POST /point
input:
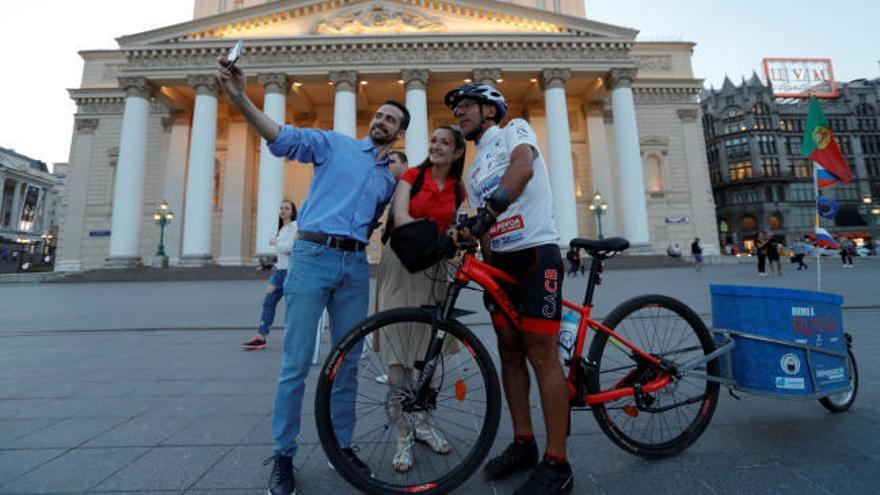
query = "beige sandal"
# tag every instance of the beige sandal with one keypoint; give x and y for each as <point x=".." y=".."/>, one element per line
<point x="403" y="458"/>
<point x="426" y="434"/>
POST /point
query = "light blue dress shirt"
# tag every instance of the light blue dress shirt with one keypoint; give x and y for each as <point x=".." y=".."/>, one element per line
<point x="350" y="188"/>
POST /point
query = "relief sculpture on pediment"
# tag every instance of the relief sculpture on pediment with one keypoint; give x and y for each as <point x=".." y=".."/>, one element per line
<point x="378" y="19"/>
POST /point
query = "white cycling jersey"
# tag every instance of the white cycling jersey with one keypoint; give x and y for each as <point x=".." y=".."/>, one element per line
<point x="529" y="221"/>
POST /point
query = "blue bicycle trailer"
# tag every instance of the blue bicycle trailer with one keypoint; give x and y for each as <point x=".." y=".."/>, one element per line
<point x="784" y="343"/>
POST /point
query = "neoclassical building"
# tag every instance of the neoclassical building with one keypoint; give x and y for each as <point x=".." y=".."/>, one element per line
<point x="612" y="115"/>
<point x="28" y="203"/>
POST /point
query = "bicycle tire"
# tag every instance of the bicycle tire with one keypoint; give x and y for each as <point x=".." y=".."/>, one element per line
<point x="700" y="342"/>
<point x="839" y="403"/>
<point x="483" y="436"/>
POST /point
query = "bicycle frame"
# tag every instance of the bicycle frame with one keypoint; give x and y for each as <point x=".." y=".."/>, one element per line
<point x="473" y="270"/>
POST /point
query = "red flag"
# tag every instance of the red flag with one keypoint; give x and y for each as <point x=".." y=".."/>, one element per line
<point x="820" y="146"/>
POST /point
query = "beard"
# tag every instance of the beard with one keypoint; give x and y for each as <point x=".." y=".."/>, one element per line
<point x="381" y="139"/>
<point x="474" y="134"/>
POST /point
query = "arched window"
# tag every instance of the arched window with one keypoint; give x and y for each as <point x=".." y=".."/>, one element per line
<point x="775" y="221"/>
<point x="748" y="223"/>
<point x="768" y="194"/>
<point x="653" y="174"/>
<point x="780" y="193"/>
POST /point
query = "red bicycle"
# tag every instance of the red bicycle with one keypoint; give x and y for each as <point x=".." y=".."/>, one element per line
<point x="647" y="377"/>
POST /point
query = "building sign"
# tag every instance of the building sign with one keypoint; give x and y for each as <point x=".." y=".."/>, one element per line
<point x="29" y="208"/>
<point x="801" y="77"/>
<point x="677" y="220"/>
<point x="99" y="233"/>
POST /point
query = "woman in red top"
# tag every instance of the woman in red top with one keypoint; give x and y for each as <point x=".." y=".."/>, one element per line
<point x="403" y="344"/>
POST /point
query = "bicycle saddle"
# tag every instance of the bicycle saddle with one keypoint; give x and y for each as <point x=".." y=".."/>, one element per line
<point x="604" y="246"/>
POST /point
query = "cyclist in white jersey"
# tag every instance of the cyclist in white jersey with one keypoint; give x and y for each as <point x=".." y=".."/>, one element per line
<point x="508" y="184"/>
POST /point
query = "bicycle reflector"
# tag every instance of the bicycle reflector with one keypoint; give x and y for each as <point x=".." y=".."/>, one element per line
<point x="460" y="390"/>
<point x="630" y="410"/>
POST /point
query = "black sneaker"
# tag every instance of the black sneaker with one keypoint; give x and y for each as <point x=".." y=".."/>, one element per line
<point x="255" y="344"/>
<point x="549" y="478"/>
<point x="357" y="463"/>
<point x="517" y="456"/>
<point x="282" y="481"/>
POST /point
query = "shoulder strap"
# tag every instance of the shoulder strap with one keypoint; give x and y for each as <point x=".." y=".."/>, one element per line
<point x="420" y="179"/>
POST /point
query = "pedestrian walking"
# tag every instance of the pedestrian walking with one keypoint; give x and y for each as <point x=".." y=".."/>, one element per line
<point x="283" y="243"/>
<point x="773" y="251"/>
<point x="574" y="261"/>
<point x="847" y="251"/>
<point x="697" y="253"/>
<point x="351" y="186"/>
<point x="801" y="249"/>
<point x="761" y="248"/>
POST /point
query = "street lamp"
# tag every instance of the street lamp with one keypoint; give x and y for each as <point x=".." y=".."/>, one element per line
<point x="47" y="239"/>
<point x="163" y="216"/>
<point x="599" y="208"/>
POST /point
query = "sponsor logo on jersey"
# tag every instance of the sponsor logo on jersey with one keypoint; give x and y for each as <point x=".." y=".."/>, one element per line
<point x="507" y="226"/>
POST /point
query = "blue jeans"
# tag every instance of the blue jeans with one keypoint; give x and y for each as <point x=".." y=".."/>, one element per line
<point x="319" y="277"/>
<point x="270" y="301"/>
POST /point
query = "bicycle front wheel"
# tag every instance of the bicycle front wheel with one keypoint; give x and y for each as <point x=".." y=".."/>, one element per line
<point x="366" y="398"/>
<point x="672" y="418"/>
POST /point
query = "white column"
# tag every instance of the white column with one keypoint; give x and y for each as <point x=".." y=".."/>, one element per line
<point x="17" y="205"/>
<point x="239" y="149"/>
<point x="634" y="208"/>
<point x="200" y="175"/>
<point x="178" y="124"/>
<point x="345" y="105"/>
<point x="2" y="193"/>
<point x="271" y="180"/>
<point x="128" y="193"/>
<point x="416" y="84"/>
<point x="559" y="162"/>
<point x="600" y="165"/>
<point x="702" y="202"/>
<point x="70" y="237"/>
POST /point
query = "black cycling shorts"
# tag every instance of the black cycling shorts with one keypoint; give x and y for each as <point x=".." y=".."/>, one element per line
<point x="538" y="295"/>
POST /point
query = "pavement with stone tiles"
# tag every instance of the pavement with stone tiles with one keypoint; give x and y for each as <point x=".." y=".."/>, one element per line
<point x="141" y="387"/>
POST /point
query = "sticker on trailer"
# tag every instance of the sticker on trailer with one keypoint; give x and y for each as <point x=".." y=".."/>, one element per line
<point x="831" y="375"/>
<point x="790" y="364"/>
<point x="788" y="383"/>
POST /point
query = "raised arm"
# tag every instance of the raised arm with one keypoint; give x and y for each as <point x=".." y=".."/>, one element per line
<point x="232" y="81"/>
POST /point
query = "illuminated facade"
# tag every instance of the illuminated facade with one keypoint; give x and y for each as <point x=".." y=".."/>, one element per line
<point x="28" y="194"/>
<point x="611" y="114"/>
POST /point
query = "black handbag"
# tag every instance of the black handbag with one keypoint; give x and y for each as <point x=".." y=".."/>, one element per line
<point x="418" y="245"/>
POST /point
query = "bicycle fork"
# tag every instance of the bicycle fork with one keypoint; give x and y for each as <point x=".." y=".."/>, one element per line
<point x="425" y="396"/>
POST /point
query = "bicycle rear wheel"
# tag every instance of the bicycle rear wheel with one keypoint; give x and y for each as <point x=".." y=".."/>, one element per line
<point x="668" y="329"/>
<point x="464" y="409"/>
<point x="843" y="401"/>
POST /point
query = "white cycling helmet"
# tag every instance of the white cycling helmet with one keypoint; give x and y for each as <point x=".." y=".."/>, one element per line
<point x="483" y="93"/>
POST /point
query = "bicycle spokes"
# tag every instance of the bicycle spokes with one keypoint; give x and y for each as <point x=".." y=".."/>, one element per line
<point x="666" y="409"/>
<point x="419" y="418"/>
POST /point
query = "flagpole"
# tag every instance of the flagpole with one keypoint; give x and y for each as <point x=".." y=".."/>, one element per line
<point x="816" y="228"/>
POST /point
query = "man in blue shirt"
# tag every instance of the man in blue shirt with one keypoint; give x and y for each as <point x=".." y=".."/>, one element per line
<point x="351" y="186"/>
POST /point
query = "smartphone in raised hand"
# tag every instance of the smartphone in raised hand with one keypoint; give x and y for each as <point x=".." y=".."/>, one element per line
<point x="233" y="55"/>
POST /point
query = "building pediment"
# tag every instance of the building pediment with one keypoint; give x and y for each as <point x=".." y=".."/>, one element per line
<point x="346" y="18"/>
<point x="378" y="18"/>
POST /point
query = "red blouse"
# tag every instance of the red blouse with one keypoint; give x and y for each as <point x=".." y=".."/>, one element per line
<point x="429" y="202"/>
